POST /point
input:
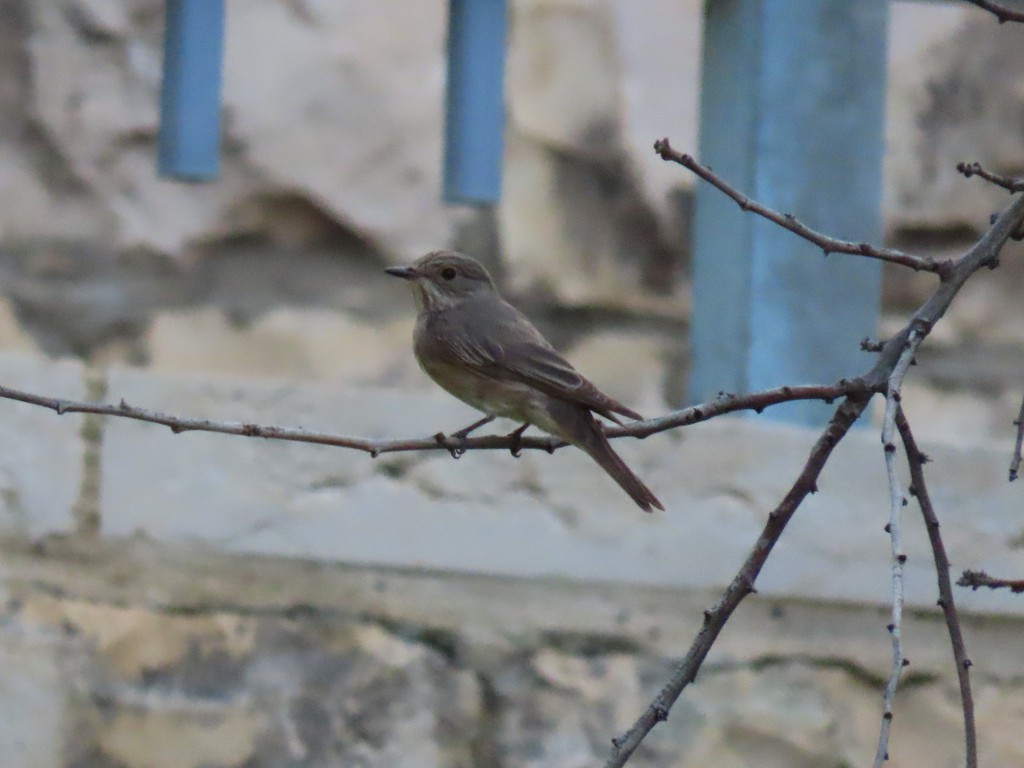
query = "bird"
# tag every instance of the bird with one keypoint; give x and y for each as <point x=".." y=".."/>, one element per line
<point x="488" y="354"/>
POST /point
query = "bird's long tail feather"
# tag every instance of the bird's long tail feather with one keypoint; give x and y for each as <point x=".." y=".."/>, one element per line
<point x="600" y="450"/>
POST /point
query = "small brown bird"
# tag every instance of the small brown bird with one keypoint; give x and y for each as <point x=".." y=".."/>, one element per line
<point x="488" y="354"/>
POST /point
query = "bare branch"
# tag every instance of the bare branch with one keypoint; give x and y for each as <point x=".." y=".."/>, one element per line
<point x="1001" y="12"/>
<point x="741" y="585"/>
<point x="895" y="529"/>
<point x="977" y="579"/>
<point x="790" y="222"/>
<point x="1009" y="183"/>
<point x="985" y="252"/>
<point x="918" y="489"/>
<point x="894" y="357"/>
<point x="1016" y="459"/>
<point x="725" y="403"/>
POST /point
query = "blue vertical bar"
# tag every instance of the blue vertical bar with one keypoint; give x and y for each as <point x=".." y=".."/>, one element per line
<point x="808" y="139"/>
<point x="720" y="331"/>
<point x="475" y="109"/>
<point x="189" y="141"/>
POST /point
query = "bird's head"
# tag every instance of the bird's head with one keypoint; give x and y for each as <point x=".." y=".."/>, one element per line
<point x="442" y="279"/>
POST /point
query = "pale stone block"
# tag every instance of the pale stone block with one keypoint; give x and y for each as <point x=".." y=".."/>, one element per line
<point x="223" y="489"/>
<point x="286" y="342"/>
<point x="344" y="75"/>
<point x="33" y="697"/>
<point x="541" y="516"/>
<point x="42" y="461"/>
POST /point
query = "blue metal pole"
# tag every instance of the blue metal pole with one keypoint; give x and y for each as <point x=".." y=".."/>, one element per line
<point x="475" y="109"/>
<point x="189" y="140"/>
<point x="793" y="112"/>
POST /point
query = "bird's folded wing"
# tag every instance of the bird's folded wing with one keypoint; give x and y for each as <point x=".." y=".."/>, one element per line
<point x="532" y="362"/>
<point x="542" y="367"/>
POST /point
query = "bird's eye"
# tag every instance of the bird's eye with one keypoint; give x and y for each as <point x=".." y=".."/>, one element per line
<point x="448" y="273"/>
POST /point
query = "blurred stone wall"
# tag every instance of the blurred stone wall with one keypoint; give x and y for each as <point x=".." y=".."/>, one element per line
<point x="331" y="168"/>
<point x="194" y="601"/>
<point x="199" y="600"/>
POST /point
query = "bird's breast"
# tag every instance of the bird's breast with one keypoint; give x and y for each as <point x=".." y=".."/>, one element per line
<point x="486" y="388"/>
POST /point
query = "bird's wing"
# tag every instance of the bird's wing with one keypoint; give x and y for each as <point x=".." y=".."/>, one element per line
<point x="506" y="344"/>
<point x="542" y="367"/>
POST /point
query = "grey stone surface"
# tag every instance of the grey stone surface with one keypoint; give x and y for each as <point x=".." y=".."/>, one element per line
<point x="573" y="219"/>
<point x="589" y="215"/>
<point x="952" y="99"/>
<point x="253" y="485"/>
<point x="116" y="686"/>
<point x="345" y="83"/>
<point x="185" y="657"/>
<point x="347" y="114"/>
<point x="34" y="692"/>
<point x="541" y="516"/>
<point x="95" y="684"/>
<point x="315" y="344"/>
<point x="351" y="85"/>
<point x="42" y="461"/>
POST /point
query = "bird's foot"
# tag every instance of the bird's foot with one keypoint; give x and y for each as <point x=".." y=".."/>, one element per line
<point x="516" y="449"/>
<point x="455" y="450"/>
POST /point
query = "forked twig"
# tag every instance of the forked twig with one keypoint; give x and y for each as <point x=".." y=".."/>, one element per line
<point x="894" y="356"/>
<point x="790" y="222"/>
<point x="1009" y="183"/>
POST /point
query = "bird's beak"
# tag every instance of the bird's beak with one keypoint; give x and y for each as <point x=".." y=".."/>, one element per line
<point x="406" y="273"/>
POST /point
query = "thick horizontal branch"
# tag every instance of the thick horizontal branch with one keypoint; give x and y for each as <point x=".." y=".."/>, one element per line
<point x="724" y="404"/>
<point x="790" y="222"/>
<point x="1000" y="11"/>
<point x="977" y="579"/>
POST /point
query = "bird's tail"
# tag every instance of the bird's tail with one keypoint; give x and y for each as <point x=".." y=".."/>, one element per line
<point x="600" y="450"/>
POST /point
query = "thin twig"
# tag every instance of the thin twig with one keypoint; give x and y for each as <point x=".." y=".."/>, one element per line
<point x="741" y="585"/>
<point x="1015" y="459"/>
<point x="977" y="579"/>
<point x="725" y="403"/>
<point x="1009" y="183"/>
<point x="790" y="222"/>
<point x="895" y="529"/>
<point x="919" y="489"/>
<point x="1001" y="12"/>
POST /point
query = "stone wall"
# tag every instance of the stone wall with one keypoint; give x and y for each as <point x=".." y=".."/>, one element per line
<point x="189" y="601"/>
<point x="203" y="600"/>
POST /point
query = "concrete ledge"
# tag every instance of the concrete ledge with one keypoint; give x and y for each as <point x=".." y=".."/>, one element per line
<point x="539" y="517"/>
<point x="186" y="580"/>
